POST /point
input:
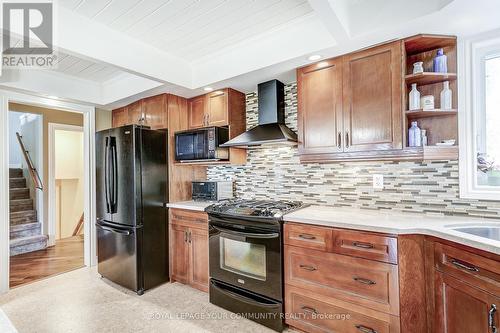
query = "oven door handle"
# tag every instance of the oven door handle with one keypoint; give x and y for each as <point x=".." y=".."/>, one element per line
<point x="242" y="298"/>
<point x="244" y="235"/>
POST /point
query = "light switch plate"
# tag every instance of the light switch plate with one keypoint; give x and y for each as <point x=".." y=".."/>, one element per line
<point x="378" y="182"/>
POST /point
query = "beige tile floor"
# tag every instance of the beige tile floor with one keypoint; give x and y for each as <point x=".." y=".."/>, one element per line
<point x="80" y="301"/>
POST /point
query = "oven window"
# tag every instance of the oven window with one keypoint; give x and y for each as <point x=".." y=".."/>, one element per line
<point x="243" y="258"/>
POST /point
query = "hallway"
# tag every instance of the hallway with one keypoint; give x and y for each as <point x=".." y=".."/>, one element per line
<point x="65" y="256"/>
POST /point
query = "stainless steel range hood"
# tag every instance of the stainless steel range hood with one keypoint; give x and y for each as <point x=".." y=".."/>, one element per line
<point x="271" y="128"/>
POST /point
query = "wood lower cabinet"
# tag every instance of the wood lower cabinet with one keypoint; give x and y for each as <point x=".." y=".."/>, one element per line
<point x="189" y="248"/>
<point x="320" y="105"/>
<point x="463" y="308"/>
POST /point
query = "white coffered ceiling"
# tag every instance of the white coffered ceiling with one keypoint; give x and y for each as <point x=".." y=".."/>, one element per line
<point x="190" y="28"/>
<point x="117" y="51"/>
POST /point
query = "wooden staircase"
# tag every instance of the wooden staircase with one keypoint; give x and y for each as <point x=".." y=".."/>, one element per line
<point x="25" y="230"/>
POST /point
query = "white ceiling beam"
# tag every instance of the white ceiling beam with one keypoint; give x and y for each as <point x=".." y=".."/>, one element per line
<point x="124" y="86"/>
<point x="330" y="19"/>
<point x="82" y="37"/>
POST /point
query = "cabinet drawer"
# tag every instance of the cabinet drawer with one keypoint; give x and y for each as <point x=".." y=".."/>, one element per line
<point x="311" y="237"/>
<point x="368" y="283"/>
<point x="316" y="313"/>
<point x="366" y="245"/>
<point x="189" y="218"/>
<point x="481" y="272"/>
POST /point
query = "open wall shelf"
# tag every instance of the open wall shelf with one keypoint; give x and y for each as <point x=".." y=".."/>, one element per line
<point x="439" y="124"/>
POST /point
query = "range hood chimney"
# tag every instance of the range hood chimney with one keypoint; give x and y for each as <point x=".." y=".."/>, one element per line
<point x="271" y="128"/>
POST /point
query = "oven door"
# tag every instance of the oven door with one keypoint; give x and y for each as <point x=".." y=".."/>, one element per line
<point x="246" y="257"/>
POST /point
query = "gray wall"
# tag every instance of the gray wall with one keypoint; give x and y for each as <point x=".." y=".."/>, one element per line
<point x="415" y="187"/>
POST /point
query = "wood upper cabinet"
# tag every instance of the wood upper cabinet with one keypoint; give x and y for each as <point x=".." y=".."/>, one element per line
<point x="136" y="113"/>
<point x="372" y="91"/>
<point x="211" y="109"/>
<point x="155" y="111"/>
<point x="463" y="308"/>
<point x="320" y="105"/>
<point x="217" y="108"/>
<point x="119" y="117"/>
<point x="197" y="112"/>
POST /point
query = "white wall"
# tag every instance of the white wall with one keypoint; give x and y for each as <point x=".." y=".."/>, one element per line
<point x="15" y="154"/>
<point x="69" y="177"/>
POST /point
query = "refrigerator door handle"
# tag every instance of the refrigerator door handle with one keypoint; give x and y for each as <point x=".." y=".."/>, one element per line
<point x="114" y="176"/>
<point x="116" y="231"/>
<point x="106" y="175"/>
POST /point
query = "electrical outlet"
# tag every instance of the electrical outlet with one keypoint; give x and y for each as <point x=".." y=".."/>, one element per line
<point x="378" y="182"/>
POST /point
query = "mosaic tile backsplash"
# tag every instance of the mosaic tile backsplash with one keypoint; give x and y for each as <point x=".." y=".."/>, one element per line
<point x="413" y="187"/>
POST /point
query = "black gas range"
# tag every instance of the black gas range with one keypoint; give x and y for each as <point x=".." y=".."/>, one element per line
<point x="246" y="257"/>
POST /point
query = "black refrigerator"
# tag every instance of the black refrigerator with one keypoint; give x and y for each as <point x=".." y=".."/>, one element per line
<point x="131" y="185"/>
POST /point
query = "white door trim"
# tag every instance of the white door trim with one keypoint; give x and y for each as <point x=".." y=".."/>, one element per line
<point x="51" y="182"/>
<point x="88" y="112"/>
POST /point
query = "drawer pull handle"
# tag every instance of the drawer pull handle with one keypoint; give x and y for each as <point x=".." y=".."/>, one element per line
<point x="309" y="310"/>
<point x="308" y="268"/>
<point x="363" y="245"/>
<point x="365" y="329"/>
<point x="491" y="318"/>
<point x="464" y="266"/>
<point x="363" y="280"/>
<point x="307" y="236"/>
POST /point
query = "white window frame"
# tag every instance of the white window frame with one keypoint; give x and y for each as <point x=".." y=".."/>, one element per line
<point x="473" y="52"/>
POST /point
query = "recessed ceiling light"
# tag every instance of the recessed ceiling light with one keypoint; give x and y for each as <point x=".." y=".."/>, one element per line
<point x="314" y="57"/>
<point x="208" y="88"/>
<point x="322" y="64"/>
<point x="52" y="97"/>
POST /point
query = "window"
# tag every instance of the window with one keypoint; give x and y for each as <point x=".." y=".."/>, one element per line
<point x="480" y="121"/>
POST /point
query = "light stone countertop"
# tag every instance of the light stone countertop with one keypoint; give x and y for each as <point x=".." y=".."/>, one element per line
<point x="191" y="205"/>
<point x="397" y="223"/>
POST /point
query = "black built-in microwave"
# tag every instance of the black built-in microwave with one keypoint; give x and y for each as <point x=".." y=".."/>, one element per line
<point x="201" y="144"/>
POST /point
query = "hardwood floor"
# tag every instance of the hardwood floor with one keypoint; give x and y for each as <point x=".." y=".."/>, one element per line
<point x="65" y="256"/>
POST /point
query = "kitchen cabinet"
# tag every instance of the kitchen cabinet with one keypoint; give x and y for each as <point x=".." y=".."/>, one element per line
<point x="217" y="108"/>
<point x="189" y="248"/>
<point x="372" y="99"/>
<point x="463" y="308"/>
<point x="119" y="117"/>
<point x="136" y="113"/>
<point x="320" y="105"/>
<point x="350" y="107"/>
<point x="155" y="113"/>
<point x="197" y="113"/>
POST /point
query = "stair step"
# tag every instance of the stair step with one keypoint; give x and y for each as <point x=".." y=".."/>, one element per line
<point x="20" y="205"/>
<point x="28" y="244"/>
<point x="17" y="182"/>
<point x="19" y="193"/>
<point x="27" y="216"/>
<point x="25" y="230"/>
<point x="15" y="173"/>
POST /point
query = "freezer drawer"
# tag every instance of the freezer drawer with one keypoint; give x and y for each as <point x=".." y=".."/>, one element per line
<point x="117" y="253"/>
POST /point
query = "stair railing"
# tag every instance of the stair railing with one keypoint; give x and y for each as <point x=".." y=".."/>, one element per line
<point x="31" y="167"/>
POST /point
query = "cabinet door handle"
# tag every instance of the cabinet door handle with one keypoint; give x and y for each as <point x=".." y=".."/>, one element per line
<point x="491" y="318"/>
<point x="189" y="237"/>
<point x="363" y="280"/>
<point x="464" y="266"/>
<point x="185" y="236"/>
<point x="347" y="139"/>
<point x="309" y="310"/>
<point x="307" y="236"/>
<point x="308" y="268"/>
<point x="365" y="329"/>
<point x="340" y="141"/>
<point x="363" y="245"/>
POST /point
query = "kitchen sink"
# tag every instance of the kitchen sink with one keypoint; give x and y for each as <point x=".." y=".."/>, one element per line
<point x="490" y="232"/>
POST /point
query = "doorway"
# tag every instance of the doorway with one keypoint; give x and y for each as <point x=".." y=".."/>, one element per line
<point x="88" y="114"/>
